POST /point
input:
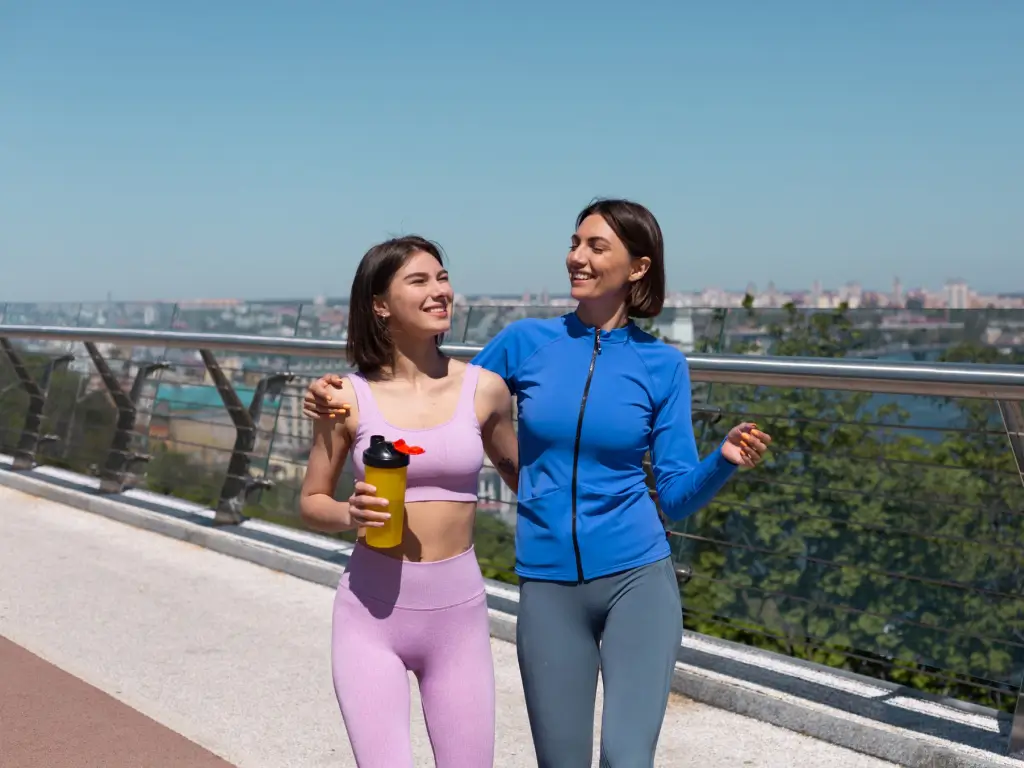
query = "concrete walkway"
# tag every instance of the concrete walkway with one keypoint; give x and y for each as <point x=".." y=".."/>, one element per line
<point x="235" y="657"/>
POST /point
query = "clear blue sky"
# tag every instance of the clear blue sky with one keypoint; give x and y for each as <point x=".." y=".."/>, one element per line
<point x="211" y="148"/>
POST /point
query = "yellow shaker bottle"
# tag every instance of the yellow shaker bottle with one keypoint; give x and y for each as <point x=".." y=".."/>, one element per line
<point x="386" y="469"/>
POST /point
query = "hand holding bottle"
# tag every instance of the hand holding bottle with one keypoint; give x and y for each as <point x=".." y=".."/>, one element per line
<point x="386" y="466"/>
<point x="366" y="509"/>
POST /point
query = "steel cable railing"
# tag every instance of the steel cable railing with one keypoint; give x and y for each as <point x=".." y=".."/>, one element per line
<point x="872" y="540"/>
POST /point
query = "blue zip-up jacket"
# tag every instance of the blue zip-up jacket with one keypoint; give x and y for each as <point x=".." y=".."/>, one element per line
<point x="590" y="405"/>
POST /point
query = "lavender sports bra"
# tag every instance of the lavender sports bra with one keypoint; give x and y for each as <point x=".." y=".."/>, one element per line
<point x="449" y="468"/>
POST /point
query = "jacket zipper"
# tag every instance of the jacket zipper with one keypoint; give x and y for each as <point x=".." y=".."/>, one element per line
<point x="576" y="452"/>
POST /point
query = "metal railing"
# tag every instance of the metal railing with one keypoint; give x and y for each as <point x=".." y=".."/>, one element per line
<point x="869" y="541"/>
<point x="990" y="382"/>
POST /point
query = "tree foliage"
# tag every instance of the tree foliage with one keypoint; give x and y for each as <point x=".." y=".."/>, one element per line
<point x="80" y="419"/>
<point x="871" y="540"/>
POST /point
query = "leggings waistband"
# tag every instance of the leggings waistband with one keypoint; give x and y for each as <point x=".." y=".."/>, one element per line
<point x="415" y="586"/>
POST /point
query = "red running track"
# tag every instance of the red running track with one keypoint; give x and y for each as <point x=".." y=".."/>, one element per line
<point x="51" y="719"/>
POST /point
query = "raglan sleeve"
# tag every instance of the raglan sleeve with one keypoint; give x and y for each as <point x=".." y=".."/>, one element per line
<point x="502" y="355"/>
<point x="683" y="481"/>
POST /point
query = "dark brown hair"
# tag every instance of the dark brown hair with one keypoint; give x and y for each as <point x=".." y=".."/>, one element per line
<point x="639" y="231"/>
<point x="369" y="346"/>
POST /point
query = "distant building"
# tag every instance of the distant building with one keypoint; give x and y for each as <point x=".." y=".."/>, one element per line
<point x="192" y="419"/>
<point x="958" y="295"/>
<point x="675" y="325"/>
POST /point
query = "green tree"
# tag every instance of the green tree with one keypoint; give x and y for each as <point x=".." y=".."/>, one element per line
<point x="843" y="548"/>
<point x="81" y="419"/>
<point x="177" y="474"/>
<point x="494" y="543"/>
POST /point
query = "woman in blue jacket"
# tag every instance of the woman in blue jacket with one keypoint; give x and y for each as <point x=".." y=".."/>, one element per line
<point x="597" y="586"/>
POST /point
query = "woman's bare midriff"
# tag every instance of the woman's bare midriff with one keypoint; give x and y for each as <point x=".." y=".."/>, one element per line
<point x="434" y="530"/>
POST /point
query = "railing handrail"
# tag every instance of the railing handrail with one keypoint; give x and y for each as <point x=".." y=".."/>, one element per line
<point x="995" y="382"/>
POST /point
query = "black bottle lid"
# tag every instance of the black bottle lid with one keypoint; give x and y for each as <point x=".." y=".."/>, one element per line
<point x="383" y="455"/>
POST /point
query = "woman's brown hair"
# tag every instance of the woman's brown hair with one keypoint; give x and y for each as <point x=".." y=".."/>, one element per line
<point x="640" y="232"/>
<point x="369" y="347"/>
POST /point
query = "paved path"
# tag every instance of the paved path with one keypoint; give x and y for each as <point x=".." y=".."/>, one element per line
<point x="235" y="658"/>
<point x="53" y="719"/>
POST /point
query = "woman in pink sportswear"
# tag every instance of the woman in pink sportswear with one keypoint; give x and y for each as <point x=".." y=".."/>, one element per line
<point x="420" y="607"/>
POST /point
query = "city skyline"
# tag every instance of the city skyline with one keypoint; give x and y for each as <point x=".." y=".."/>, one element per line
<point x="954" y="293"/>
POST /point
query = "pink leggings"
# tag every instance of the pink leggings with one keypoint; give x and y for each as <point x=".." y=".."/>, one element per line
<point x="392" y="617"/>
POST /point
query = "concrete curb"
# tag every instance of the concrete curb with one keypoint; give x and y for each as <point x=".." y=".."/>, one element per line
<point x="782" y="705"/>
<point x="844" y="729"/>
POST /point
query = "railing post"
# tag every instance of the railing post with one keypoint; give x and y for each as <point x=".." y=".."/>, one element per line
<point x="30" y="440"/>
<point x="1013" y="423"/>
<point x="119" y="465"/>
<point x="238" y="484"/>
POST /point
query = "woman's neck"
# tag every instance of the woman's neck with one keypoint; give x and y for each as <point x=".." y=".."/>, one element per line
<point x="417" y="359"/>
<point x="606" y="315"/>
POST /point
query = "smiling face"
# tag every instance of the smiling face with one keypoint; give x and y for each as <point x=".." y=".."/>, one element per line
<point x="600" y="266"/>
<point x="418" y="300"/>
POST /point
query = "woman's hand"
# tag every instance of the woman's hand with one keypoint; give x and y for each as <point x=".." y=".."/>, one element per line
<point x="323" y="401"/>
<point x="746" y="445"/>
<point x="360" y="507"/>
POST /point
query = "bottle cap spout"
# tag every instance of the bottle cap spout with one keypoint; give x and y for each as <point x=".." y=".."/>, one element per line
<point x="384" y="455"/>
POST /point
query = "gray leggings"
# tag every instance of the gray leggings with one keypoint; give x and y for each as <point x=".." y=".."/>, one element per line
<point x="629" y="625"/>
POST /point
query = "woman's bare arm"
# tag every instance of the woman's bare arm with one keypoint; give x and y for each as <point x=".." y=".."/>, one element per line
<point x="319" y="510"/>
<point x="498" y="429"/>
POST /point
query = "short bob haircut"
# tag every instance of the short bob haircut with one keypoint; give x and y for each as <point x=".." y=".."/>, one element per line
<point x="639" y="231"/>
<point x="369" y="346"/>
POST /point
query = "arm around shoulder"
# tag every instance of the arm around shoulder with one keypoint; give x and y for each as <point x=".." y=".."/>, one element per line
<point x="497" y="429"/>
<point x="317" y="506"/>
